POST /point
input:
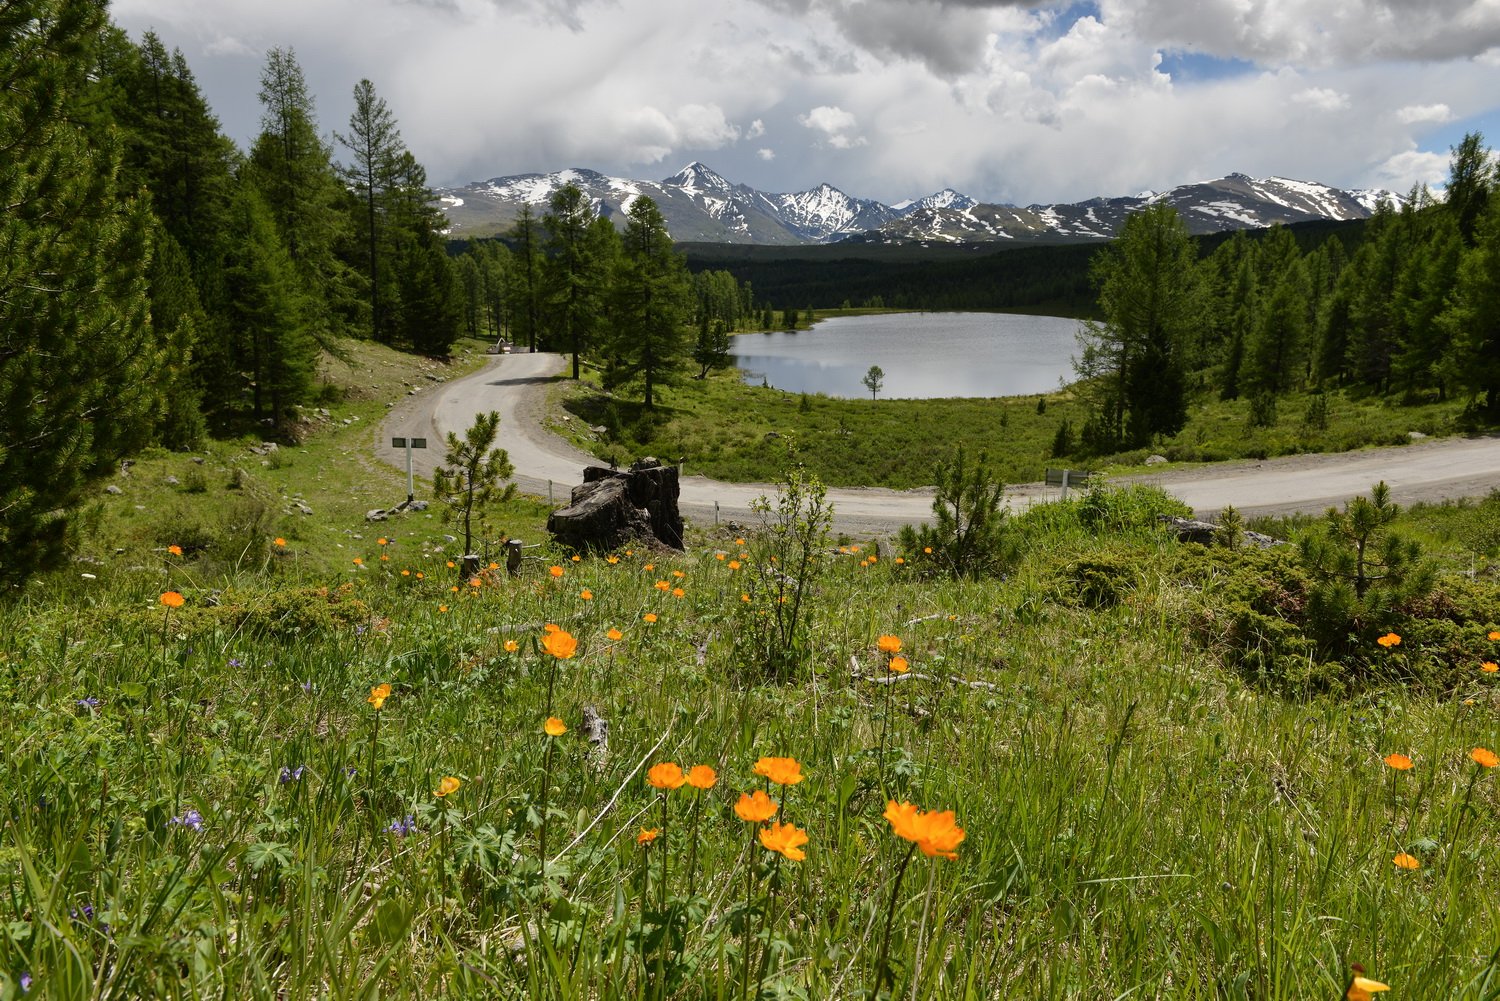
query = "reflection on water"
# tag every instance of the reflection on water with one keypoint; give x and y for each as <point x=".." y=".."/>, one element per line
<point x="923" y="355"/>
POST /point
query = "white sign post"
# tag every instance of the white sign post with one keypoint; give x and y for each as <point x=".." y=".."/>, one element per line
<point x="409" y="444"/>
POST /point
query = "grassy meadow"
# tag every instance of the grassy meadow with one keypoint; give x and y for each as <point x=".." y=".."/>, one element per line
<point x="305" y="759"/>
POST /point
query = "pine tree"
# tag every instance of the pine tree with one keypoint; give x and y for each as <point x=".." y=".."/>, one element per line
<point x="78" y="354"/>
<point x="1472" y="319"/>
<point x="375" y="146"/>
<point x="524" y="290"/>
<point x="572" y="275"/>
<point x="1471" y="177"/>
<point x="650" y="296"/>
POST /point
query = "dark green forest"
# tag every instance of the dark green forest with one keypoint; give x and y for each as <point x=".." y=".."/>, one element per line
<point x="162" y="284"/>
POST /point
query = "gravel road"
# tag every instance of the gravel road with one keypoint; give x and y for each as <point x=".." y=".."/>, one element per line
<point x="516" y="384"/>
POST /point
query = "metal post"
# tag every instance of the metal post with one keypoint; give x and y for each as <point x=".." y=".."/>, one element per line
<point x="1065" y="483"/>
<point x="411" y="494"/>
<point x="549" y="492"/>
<point x="716" y="514"/>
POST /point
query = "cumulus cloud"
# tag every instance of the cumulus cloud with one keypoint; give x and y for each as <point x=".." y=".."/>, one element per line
<point x="837" y="126"/>
<point x="1322" y="99"/>
<point x="1414" y="113"/>
<point x="766" y="154"/>
<point x="1412" y="166"/>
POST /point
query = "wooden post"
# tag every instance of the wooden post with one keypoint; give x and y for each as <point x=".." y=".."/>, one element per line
<point x="513" y="556"/>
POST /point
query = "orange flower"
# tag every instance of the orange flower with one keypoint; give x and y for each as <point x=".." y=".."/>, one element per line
<point x="935" y="833"/>
<point x="734" y="564"/>
<point x="649" y="616"/>
<point x="900" y="561"/>
<point x="1489" y="667"/>
<point x="554" y="727"/>
<point x="1494" y="635"/>
<point x="511" y="646"/>
<point x="719" y="557"/>
<point x="475" y="582"/>
<point x="379" y="694"/>
<point x="1484" y="757"/>
<point x="755" y="807"/>
<point x="1389" y="640"/>
<point x="649" y="566"/>
<point x="889" y="644"/>
<point x="586" y="594"/>
<point x="451" y="564"/>
<point x="782" y="771"/>
<point x="577" y="558"/>
<point x="406" y="573"/>
<point x="172" y="599"/>
<point x="1361" y="987"/>
<point x="448" y="785"/>
<point x="175" y="550"/>
<point x="279" y="542"/>
<point x="702" y="777"/>
<point x="1400" y="762"/>
<point x="647" y="835"/>
<point x="560" y="644"/>
<point x="898" y="665"/>
<point x="739" y="542"/>
<point x="662" y="585"/>
<point x="678" y="592"/>
<point x="787" y="839"/>
<point x="1405" y="861"/>
<point x="556" y="571"/>
<point x="745" y="598"/>
<point x="667" y="775"/>
<point x="614" y="635"/>
<point x="358" y="561"/>
<point x="678" y="574"/>
<point x="927" y="550"/>
<point x="382" y="542"/>
<point x="611" y="559"/>
<point x="550" y="627"/>
<point x="442" y="608"/>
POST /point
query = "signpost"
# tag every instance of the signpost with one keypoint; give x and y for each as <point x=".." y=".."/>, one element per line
<point x="409" y="444"/>
<point x="1066" y="478"/>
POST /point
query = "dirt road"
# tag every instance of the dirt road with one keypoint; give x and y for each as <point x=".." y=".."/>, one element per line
<point x="515" y="386"/>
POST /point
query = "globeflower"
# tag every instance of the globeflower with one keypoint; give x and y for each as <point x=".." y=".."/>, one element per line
<point x="172" y="599"/>
<point x="786" y="839"/>
<point x="1389" y="640"/>
<point x="647" y="835"/>
<point x="1484" y="757"/>
<point x="379" y="694"/>
<point x="889" y="644"/>
<point x="1405" y="861"/>
<point x="782" y="771"/>
<point x="560" y="644"/>
<point x="447" y="786"/>
<point x="1400" y="762"/>
<point x="755" y="807"/>
<point x="554" y="727"/>
<point x="667" y="775"/>
<point x="935" y="833"/>
<point x="702" y="777"/>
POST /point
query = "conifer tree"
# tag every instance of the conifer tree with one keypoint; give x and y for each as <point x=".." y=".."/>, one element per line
<point x="572" y="273"/>
<point x="524" y="286"/>
<point x="1472" y="318"/>
<point x="374" y="144"/>
<point x="650" y="303"/>
<point x="78" y="354"/>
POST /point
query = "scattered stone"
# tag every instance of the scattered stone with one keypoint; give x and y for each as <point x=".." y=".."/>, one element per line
<point x="271" y="448"/>
<point x="198" y="460"/>
<point x="1415" y="435"/>
<point x="172" y="481"/>
<point x="302" y="507"/>
<point x="612" y="507"/>
<point x="1207" y="534"/>
<point x="1155" y="460"/>
<point x="112" y="489"/>
<point x="599" y="429"/>
<point x="323" y="412"/>
<point x="417" y="505"/>
<point x="378" y="514"/>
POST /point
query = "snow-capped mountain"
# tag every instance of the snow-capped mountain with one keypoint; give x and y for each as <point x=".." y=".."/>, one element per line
<point x="702" y="206"/>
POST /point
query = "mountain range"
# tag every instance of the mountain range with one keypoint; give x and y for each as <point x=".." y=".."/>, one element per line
<point x="701" y="206"/>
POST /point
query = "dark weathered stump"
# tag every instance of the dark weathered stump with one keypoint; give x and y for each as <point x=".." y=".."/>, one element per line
<point x="613" y="507"/>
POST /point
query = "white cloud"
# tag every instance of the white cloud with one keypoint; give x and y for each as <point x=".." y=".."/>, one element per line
<point x="756" y="130"/>
<point x="1414" y="113"/>
<point x="837" y="125"/>
<point x="1322" y="99"/>
<point x="766" y="154"/>
<point x="1399" y="172"/>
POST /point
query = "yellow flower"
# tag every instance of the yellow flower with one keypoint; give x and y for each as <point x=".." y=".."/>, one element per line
<point x="615" y="635"/>
<point x="935" y="833"/>
<point x="647" y="835"/>
<point x="442" y="608"/>
<point x="511" y="646"/>
<point x="702" y="777"/>
<point x="1400" y="762"/>
<point x="577" y="558"/>
<point x="667" y="775"/>
<point x="662" y="585"/>
<point x="1489" y="667"/>
<point x="1361" y="987"/>
<point x="448" y="785"/>
<point x="279" y="542"/>
<point x="1389" y="640"/>
<point x="889" y="644"/>
<point x="172" y="599"/>
<point x="782" y="771"/>
<point x="755" y="807"/>
<point x="734" y="564"/>
<point x="382" y="542"/>
<point x="560" y="644"/>
<point x="556" y="571"/>
<point x="898" y="665"/>
<point x="586" y="594"/>
<point x="1405" y="861"/>
<point x="175" y="550"/>
<point x="1484" y="757"/>
<point x="787" y="839"/>
<point x="719" y="557"/>
<point x="611" y="559"/>
<point x="678" y="592"/>
<point x="1494" y="635"/>
<point x="379" y="694"/>
<point x="554" y="727"/>
<point x="649" y="616"/>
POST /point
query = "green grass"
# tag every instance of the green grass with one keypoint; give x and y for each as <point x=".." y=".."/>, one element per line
<point x="1140" y="820"/>
<point x="732" y="431"/>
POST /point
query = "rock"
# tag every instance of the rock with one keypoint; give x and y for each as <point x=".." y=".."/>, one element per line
<point x="417" y="505"/>
<point x="1415" y="435"/>
<point x="302" y="507"/>
<point x="378" y="514"/>
<point x="112" y="489"/>
<point x="613" y="507"/>
<point x="1207" y="534"/>
<point x="198" y="460"/>
<point x="271" y="448"/>
<point x="172" y="481"/>
<point x="1155" y="460"/>
<point x="599" y="429"/>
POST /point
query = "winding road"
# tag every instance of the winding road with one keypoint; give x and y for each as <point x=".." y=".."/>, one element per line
<point x="516" y="386"/>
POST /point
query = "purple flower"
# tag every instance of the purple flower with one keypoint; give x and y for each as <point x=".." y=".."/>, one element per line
<point x="26" y="981"/>
<point x="234" y="662"/>
<point x="291" y="774"/>
<point x="307" y="686"/>
<point x="402" y="828"/>
<point x="191" y="819"/>
<point x="350" y="772"/>
<point x="91" y="702"/>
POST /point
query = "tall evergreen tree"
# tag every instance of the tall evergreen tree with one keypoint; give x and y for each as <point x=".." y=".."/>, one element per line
<point x="1471" y="177"/>
<point x="1472" y="319"/>
<point x="651" y="295"/>
<point x="374" y="144"/>
<point x="77" y="349"/>
<point x="1150" y="293"/>
<point x="573" y="280"/>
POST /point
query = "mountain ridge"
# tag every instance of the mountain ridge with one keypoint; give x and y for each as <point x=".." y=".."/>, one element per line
<point x="702" y="206"/>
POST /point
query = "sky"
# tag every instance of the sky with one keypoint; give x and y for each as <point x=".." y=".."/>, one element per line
<point x="1018" y="102"/>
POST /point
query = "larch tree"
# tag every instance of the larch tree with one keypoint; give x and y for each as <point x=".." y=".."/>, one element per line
<point x="374" y="145"/>
<point x="650" y="303"/>
<point x="572" y="274"/>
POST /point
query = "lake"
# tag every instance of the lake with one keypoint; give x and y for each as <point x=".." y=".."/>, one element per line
<point x="924" y="355"/>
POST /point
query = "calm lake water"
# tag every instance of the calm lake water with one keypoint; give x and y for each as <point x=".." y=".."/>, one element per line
<point x="924" y="355"/>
